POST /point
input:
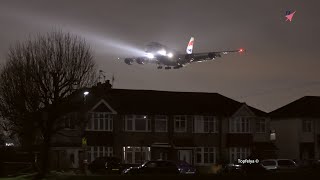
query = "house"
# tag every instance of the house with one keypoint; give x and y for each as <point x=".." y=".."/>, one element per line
<point x="297" y="128"/>
<point x="138" y="125"/>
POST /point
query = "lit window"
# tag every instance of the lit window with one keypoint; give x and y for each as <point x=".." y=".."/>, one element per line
<point x="273" y="135"/>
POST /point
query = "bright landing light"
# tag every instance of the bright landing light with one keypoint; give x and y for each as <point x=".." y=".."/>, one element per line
<point x="162" y="52"/>
<point x="170" y="55"/>
<point x="150" y="55"/>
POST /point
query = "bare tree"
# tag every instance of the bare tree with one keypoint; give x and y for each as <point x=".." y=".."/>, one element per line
<point x="36" y="80"/>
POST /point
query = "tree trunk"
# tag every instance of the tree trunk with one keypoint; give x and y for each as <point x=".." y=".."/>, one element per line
<point x="45" y="159"/>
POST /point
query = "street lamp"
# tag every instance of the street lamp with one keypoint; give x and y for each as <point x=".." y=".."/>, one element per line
<point x="85" y="95"/>
<point x="84" y="139"/>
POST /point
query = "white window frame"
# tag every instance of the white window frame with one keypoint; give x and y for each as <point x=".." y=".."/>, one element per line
<point x="178" y="118"/>
<point x="240" y="124"/>
<point x="307" y="125"/>
<point x="260" y="123"/>
<point x="205" y="150"/>
<point x="96" y="151"/>
<point x="238" y="153"/>
<point x="133" y="149"/>
<point x="200" y="124"/>
<point x="106" y="119"/>
<point x="133" y="118"/>
<point x="158" y="119"/>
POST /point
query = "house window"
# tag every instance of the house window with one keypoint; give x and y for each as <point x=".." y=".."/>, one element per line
<point x="239" y="125"/>
<point x="180" y="123"/>
<point x="238" y="153"/>
<point x="70" y="120"/>
<point x="98" y="151"/>
<point x="306" y="125"/>
<point x="161" y="123"/>
<point x="261" y="125"/>
<point x="136" y="155"/>
<point x="140" y="123"/>
<point x="205" y="124"/>
<point x="100" y="121"/>
<point x="205" y="155"/>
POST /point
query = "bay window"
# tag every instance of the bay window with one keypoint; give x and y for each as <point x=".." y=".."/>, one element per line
<point x="238" y="153"/>
<point x="136" y="155"/>
<point x="100" y="121"/>
<point x="239" y="125"/>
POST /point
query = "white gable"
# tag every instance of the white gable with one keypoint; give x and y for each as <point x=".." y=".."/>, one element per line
<point x="102" y="101"/>
<point x="244" y="110"/>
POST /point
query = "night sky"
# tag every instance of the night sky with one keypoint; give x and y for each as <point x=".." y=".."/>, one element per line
<point x="281" y="63"/>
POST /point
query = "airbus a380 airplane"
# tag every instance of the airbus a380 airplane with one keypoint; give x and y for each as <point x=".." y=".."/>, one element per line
<point x="159" y="54"/>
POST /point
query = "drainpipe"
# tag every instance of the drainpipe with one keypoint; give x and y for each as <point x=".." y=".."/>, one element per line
<point x="220" y="139"/>
<point x="316" y="153"/>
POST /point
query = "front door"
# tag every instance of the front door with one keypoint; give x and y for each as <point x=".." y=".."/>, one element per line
<point x="185" y="155"/>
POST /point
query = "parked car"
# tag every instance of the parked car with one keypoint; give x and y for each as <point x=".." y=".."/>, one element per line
<point x="232" y="168"/>
<point x="162" y="167"/>
<point x="309" y="163"/>
<point x="106" y="165"/>
<point x="186" y="168"/>
<point x="235" y="168"/>
<point x="279" y="165"/>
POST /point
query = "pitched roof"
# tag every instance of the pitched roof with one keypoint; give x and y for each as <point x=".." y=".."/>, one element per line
<point x="308" y="106"/>
<point x="150" y="102"/>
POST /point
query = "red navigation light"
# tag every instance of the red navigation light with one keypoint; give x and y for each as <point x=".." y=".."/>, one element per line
<point x="241" y="50"/>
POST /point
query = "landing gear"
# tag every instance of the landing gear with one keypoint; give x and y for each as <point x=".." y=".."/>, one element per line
<point x="159" y="67"/>
<point x="168" y="67"/>
<point x="177" y="67"/>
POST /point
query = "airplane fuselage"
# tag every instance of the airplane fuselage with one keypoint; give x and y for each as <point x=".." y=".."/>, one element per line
<point x="159" y="54"/>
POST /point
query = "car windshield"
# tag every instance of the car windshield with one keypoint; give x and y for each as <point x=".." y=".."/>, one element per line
<point x="151" y="164"/>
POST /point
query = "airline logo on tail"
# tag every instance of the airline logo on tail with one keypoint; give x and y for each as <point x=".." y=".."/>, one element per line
<point x="190" y="46"/>
<point x="289" y="15"/>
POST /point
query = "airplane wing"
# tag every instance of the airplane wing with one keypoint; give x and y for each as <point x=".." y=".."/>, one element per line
<point x="139" y="60"/>
<point x="206" y="56"/>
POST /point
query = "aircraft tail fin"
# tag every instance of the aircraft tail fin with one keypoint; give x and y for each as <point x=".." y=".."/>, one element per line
<point x="190" y="46"/>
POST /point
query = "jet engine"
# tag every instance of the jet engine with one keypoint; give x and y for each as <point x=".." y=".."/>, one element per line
<point x="140" y="61"/>
<point x="128" y="61"/>
<point x="212" y="55"/>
